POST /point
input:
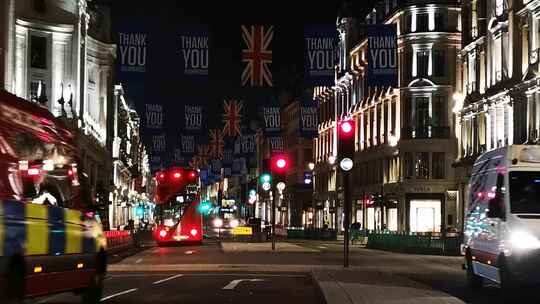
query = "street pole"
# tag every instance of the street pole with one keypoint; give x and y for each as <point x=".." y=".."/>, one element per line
<point x="346" y="220"/>
<point x="274" y="197"/>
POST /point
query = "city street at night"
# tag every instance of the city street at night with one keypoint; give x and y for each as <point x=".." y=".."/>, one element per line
<point x="269" y="152"/>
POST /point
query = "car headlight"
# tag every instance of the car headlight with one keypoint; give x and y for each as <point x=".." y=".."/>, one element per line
<point x="234" y="223"/>
<point x="524" y="240"/>
<point x="218" y="222"/>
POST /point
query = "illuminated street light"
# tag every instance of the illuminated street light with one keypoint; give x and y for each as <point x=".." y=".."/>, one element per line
<point x="346" y="164"/>
<point x="311" y="166"/>
<point x="331" y="159"/>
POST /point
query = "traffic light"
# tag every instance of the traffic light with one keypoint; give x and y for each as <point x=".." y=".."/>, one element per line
<point x="204" y="207"/>
<point x="139" y="211"/>
<point x="346" y="143"/>
<point x="265" y="178"/>
<point x="279" y="166"/>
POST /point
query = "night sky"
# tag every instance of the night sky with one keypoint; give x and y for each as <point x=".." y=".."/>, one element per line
<point x="162" y="85"/>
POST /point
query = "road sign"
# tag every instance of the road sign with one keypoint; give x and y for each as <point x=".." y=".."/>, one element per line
<point x="241" y="230"/>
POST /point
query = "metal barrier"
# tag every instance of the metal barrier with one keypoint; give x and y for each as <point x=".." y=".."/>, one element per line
<point x="117" y="239"/>
<point x="410" y="242"/>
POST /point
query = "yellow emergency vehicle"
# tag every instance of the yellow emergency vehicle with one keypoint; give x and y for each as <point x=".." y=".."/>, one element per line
<point x="50" y="239"/>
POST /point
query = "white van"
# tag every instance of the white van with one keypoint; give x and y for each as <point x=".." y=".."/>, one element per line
<point x="502" y="218"/>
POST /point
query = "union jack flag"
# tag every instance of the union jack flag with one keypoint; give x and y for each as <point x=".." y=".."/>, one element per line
<point x="216" y="143"/>
<point x="232" y="118"/>
<point x="257" y="55"/>
<point x="201" y="159"/>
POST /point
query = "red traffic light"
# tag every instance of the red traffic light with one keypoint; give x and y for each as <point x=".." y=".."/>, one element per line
<point x="280" y="163"/>
<point x="346" y="127"/>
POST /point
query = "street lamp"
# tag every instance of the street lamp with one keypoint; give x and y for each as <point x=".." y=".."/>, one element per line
<point x="331" y="159"/>
<point x="311" y="166"/>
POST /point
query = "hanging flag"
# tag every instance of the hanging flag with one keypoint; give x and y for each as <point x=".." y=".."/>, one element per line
<point x="257" y="55"/>
<point x="271" y="119"/>
<point x="308" y="119"/>
<point x="232" y="117"/>
<point x="275" y="144"/>
<point x="194" y="53"/>
<point x="187" y="145"/>
<point x="216" y="143"/>
<point x="320" y="55"/>
<point x="193" y="117"/>
<point x="131" y="52"/>
<point x="159" y="144"/>
<point x="154" y="116"/>
<point x="382" y="55"/>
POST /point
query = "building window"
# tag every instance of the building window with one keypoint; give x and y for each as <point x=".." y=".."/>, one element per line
<point x="409" y="165"/>
<point x="441" y="22"/>
<point x="439" y="63"/>
<point x="422" y="22"/>
<point x="439" y="111"/>
<point x="474" y="19"/>
<point x="38" y="52"/>
<point x="422" y="59"/>
<point x="422" y="165"/>
<point x="439" y="165"/>
<point x="421" y="117"/>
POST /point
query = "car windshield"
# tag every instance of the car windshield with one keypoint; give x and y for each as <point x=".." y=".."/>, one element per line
<point x="525" y="192"/>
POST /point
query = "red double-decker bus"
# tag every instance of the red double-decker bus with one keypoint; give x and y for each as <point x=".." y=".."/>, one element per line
<point x="177" y="199"/>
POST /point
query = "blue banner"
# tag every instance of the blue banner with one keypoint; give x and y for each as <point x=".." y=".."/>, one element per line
<point x="382" y="55"/>
<point x="271" y="120"/>
<point x="320" y="55"/>
<point x="193" y="117"/>
<point x="275" y="144"/>
<point x="309" y="119"/>
<point x="154" y="116"/>
<point x="132" y="42"/>
<point x="193" y="40"/>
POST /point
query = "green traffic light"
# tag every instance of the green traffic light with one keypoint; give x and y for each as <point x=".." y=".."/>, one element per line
<point x="205" y="206"/>
<point x="265" y="178"/>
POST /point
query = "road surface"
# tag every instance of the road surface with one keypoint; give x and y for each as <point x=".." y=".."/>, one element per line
<point x="205" y="274"/>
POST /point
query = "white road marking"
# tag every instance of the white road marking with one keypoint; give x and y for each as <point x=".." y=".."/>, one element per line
<point x="235" y="283"/>
<point x="247" y="274"/>
<point x="189" y="252"/>
<point x="322" y="247"/>
<point x="167" y="279"/>
<point x="118" y="294"/>
<point x="138" y="261"/>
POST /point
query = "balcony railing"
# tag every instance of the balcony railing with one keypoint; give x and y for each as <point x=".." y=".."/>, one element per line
<point x="425" y="132"/>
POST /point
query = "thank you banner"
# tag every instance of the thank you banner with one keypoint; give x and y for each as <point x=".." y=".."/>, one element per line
<point x="308" y="119"/>
<point x="382" y="55"/>
<point x="194" y="53"/>
<point x="320" y="55"/>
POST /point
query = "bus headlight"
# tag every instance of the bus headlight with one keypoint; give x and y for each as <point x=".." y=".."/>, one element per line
<point x="234" y="223"/>
<point x="524" y="240"/>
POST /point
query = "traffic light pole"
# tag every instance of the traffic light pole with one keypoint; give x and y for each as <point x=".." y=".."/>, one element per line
<point x="274" y="197"/>
<point x="346" y="220"/>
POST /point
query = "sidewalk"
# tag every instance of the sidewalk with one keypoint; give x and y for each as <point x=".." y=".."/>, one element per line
<point x="235" y="247"/>
<point x="367" y="287"/>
